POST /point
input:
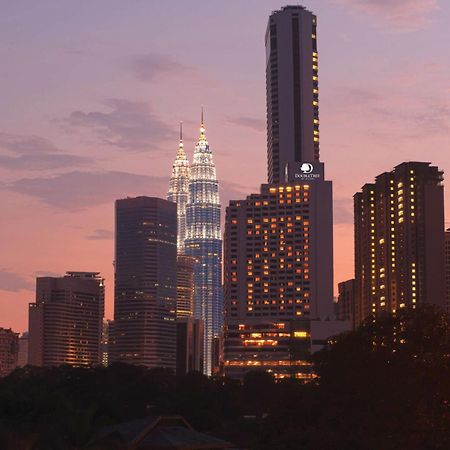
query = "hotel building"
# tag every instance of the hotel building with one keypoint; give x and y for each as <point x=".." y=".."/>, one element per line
<point x="278" y="277"/>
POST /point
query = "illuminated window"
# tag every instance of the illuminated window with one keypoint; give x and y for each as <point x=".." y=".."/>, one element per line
<point x="301" y="334"/>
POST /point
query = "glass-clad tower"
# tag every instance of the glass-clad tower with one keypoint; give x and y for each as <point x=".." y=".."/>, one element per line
<point x="179" y="191"/>
<point x="204" y="243"/>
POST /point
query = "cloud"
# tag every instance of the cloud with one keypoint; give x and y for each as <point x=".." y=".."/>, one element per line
<point x="395" y="15"/>
<point x="249" y="122"/>
<point x="79" y="190"/>
<point x="342" y="211"/>
<point x="13" y="282"/>
<point x="35" y="153"/>
<point x="153" y="66"/>
<point x="128" y="124"/>
<point x="100" y="235"/>
<point x="234" y="191"/>
<point x="46" y="273"/>
<point x="395" y="115"/>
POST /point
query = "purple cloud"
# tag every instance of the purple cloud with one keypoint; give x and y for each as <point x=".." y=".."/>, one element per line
<point x="153" y="66"/>
<point x="387" y="115"/>
<point x="342" y="210"/>
<point x="35" y="153"/>
<point x="249" y="122"/>
<point x="395" y="15"/>
<point x="46" y="273"/>
<point x="79" y="190"/>
<point x="128" y="124"/>
<point x="100" y="234"/>
<point x="13" y="282"/>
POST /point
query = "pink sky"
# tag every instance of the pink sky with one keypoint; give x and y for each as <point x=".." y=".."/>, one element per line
<point x="92" y="93"/>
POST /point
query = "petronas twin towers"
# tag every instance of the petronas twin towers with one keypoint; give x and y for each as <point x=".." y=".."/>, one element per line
<point x="179" y="191"/>
<point x="195" y="190"/>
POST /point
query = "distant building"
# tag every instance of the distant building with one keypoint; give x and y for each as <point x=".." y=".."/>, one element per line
<point x="292" y="90"/>
<point x="217" y="356"/>
<point x="105" y="345"/>
<point x="399" y="241"/>
<point x="144" y="331"/>
<point x="65" y="322"/>
<point x="185" y="286"/>
<point x="23" y="350"/>
<point x="9" y="349"/>
<point x="190" y="337"/>
<point x="447" y="269"/>
<point x="346" y="301"/>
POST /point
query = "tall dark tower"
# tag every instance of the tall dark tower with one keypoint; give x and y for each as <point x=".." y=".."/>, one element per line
<point x="144" y="330"/>
<point x="292" y="89"/>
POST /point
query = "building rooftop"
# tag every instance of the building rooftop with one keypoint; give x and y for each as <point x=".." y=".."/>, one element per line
<point x="157" y="432"/>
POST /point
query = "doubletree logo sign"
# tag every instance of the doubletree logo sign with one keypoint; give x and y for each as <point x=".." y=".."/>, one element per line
<point x="308" y="172"/>
<point x="306" y="168"/>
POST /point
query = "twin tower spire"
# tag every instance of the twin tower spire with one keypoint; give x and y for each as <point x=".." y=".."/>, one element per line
<point x="181" y="153"/>
<point x="195" y="190"/>
<point x="180" y="178"/>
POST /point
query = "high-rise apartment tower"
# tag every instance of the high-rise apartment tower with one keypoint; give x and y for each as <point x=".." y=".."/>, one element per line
<point x="399" y="241"/>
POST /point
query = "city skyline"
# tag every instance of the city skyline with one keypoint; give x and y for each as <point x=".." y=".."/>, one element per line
<point x="66" y="198"/>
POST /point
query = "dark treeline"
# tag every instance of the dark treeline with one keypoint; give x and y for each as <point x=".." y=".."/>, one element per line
<point x="384" y="386"/>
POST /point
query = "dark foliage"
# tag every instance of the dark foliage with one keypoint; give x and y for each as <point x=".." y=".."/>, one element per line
<point x="384" y="386"/>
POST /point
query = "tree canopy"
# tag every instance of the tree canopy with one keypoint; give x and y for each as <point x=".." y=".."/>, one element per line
<point x="385" y="385"/>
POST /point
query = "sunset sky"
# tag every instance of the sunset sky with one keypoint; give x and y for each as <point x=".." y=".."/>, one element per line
<point x="92" y="92"/>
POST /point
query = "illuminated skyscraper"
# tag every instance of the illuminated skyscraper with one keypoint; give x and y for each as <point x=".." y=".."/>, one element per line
<point x="204" y="243"/>
<point x="179" y="191"/>
<point x="399" y="241"/>
<point x="292" y="89"/>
